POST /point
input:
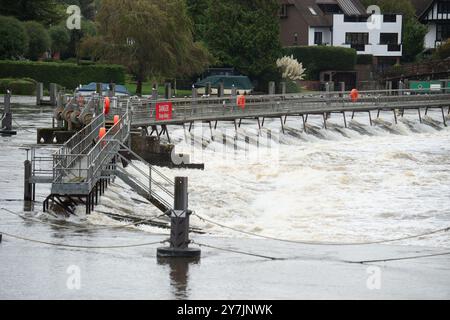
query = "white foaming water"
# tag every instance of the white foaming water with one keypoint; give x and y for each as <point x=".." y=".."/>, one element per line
<point x="361" y="183"/>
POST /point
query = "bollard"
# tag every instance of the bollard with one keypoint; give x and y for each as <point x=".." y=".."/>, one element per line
<point x="39" y="93"/>
<point x="283" y="88"/>
<point x="168" y="90"/>
<point x="220" y="90"/>
<point x="179" y="225"/>
<point x="194" y="92"/>
<point x="27" y="194"/>
<point x="1" y="238"/>
<point x="401" y="88"/>
<point x="271" y="87"/>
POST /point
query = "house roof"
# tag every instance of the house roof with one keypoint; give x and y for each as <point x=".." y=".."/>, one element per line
<point x="421" y="6"/>
<point x="315" y="17"/>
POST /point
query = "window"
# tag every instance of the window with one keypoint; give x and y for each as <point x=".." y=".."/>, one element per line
<point x="357" y="38"/>
<point x="389" y="38"/>
<point x="313" y="12"/>
<point x="283" y="11"/>
<point x="355" y="18"/>
<point x="443" y="7"/>
<point x="318" y="38"/>
<point x="357" y="41"/>
<point x="389" y="18"/>
<point x="442" y="32"/>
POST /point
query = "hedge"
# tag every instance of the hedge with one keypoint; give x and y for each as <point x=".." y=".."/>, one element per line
<point x="18" y="86"/>
<point x="321" y="58"/>
<point x="68" y="75"/>
<point x="364" y="59"/>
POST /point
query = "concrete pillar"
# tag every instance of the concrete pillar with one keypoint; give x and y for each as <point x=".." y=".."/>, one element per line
<point x="271" y="87"/>
<point x="179" y="225"/>
<point x="221" y="90"/>
<point x="233" y="91"/>
<point x="53" y="94"/>
<point x="112" y="90"/>
<point x="99" y="89"/>
<point x="283" y="88"/>
<point x="168" y="90"/>
<point x="389" y="87"/>
<point x="208" y="89"/>
<point x="39" y="93"/>
<point x="401" y="87"/>
<point x="155" y="92"/>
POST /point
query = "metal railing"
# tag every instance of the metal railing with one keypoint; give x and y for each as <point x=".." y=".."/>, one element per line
<point x="184" y="110"/>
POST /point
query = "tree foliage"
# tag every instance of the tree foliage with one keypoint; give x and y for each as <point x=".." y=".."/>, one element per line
<point x="38" y="40"/>
<point x="14" y="38"/>
<point x="245" y="34"/>
<point x="60" y="38"/>
<point x="198" y="11"/>
<point x="152" y="38"/>
<point x="45" y="11"/>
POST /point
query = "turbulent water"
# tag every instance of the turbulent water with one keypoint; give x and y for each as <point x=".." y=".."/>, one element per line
<point x="360" y="183"/>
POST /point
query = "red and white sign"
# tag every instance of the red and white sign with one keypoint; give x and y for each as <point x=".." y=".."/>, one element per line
<point x="163" y="111"/>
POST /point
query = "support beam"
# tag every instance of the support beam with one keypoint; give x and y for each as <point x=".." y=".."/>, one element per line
<point x="443" y="116"/>
<point x="395" y="116"/>
<point x="420" y="115"/>
<point x="345" y="119"/>
<point x="325" y="121"/>
<point x="282" y="125"/>
<point x="370" y="118"/>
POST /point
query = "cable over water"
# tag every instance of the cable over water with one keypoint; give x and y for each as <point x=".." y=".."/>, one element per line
<point x="321" y="243"/>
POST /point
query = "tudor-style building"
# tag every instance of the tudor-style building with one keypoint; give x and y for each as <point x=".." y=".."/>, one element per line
<point x="435" y="14"/>
<point x="342" y="23"/>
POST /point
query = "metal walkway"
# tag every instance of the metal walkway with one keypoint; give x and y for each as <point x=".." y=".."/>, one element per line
<point x="84" y="166"/>
<point x="275" y="106"/>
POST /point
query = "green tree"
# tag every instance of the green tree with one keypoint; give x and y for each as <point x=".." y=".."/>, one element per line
<point x="413" y="31"/>
<point x="45" y="11"/>
<point x="14" y="38"/>
<point x="245" y="34"/>
<point x="38" y="40"/>
<point x="198" y="10"/>
<point x="60" y="38"/>
<point x="443" y="51"/>
<point x="152" y="38"/>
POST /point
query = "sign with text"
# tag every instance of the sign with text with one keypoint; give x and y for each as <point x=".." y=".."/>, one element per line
<point x="163" y="111"/>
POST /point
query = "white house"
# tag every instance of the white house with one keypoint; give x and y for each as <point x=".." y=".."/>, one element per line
<point x="435" y="14"/>
<point x="344" y="23"/>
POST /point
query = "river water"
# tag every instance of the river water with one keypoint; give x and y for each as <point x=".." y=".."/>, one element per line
<point x="361" y="183"/>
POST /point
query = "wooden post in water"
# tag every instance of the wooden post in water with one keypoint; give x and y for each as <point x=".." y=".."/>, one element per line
<point x="208" y="89"/>
<point x="28" y="188"/>
<point x="179" y="225"/>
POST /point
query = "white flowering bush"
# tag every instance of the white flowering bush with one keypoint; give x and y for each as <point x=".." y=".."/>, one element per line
<point x="291" y="69"/>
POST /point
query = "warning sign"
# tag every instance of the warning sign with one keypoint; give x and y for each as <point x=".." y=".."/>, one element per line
<point x="163" y="111"/>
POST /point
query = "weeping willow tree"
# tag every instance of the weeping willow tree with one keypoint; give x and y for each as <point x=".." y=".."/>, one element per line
<point x="150" y="37"/>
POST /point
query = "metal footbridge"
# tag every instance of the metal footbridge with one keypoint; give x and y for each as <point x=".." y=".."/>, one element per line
<point x="84" y="166"/>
